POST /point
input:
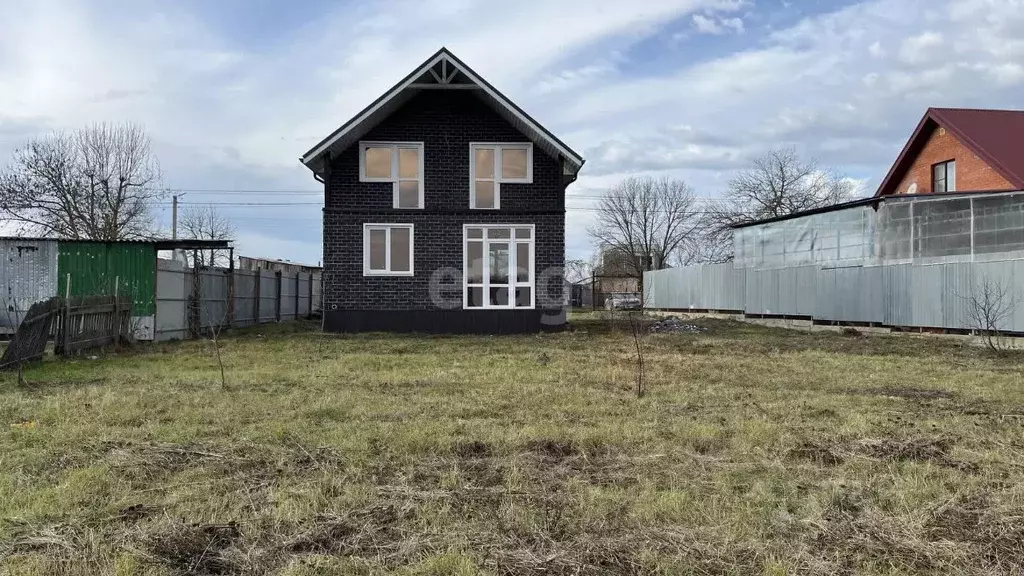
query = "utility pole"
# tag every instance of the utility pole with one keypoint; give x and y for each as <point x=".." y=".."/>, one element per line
<point x="174" y="217"/>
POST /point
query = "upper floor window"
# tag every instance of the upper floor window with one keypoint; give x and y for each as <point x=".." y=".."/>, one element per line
<point x="490" y="165"/>
<point x="944" y="176"/>
<point x="400" y="163"/>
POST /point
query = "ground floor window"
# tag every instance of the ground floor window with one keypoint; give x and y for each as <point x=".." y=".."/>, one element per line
<point x="387" y="250"/>
<point x="498" y="266"/>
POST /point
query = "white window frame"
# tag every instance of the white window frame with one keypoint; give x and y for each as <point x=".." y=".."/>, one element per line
<point x="387" y="250"/>
<point x="513" y="279"/>
<point x="498" y="180"/>
<point x="395" y="179"/>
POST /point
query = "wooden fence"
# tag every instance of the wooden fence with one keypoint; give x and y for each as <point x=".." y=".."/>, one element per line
<point x="29" y="342"/>
<point x="80" y="323"/>
<point x="88" y="322"/>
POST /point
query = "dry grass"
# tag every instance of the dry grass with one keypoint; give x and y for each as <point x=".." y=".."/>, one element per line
<point x="756" y="451"/>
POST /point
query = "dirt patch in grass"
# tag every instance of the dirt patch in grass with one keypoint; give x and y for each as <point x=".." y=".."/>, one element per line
<point x="996" y="536"/>
<point x="816" y="453"/>
<point x="196" y="548"/>
<point x="908" y="393"/>
<point x="471" y="449"/>
<point x="375" y="531"/>
<point x="935" y="450"/>
<point x="553" y="450"/>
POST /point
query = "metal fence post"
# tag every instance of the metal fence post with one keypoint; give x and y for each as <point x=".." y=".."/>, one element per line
<point x="309" y="308"/>
<point x="298" y="276"/>
<point x="278" y="307"/>
<point x="257" y="320"/>
<point x="231" y="289"/>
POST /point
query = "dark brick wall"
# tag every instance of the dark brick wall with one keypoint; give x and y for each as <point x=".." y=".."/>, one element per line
<point x="446" y="122"/>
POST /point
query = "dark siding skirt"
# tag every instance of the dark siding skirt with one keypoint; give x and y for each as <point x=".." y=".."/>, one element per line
<point x="445" y="321"/>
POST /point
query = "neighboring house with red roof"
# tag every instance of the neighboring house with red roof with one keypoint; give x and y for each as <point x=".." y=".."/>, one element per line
<point x="960" y="150"/>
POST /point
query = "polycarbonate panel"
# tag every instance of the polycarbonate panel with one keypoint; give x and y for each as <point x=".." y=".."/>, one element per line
<point x="942" y="228"/>
<point x="999" y="224"/>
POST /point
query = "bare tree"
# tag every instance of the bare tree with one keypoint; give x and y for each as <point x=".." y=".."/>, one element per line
<point x="712" y="244"/>
<point x="989" y="306"/>
<point x="643" y="221"/>
<point x="578" y="270"/>
<point x="206" y="223"/>
<point x="97" y="183"/>
<point x="777" y="183"/>
<point x="780" y="183"/>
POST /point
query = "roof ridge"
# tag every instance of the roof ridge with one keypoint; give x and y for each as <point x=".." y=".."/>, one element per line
<point x="976" y="109"/>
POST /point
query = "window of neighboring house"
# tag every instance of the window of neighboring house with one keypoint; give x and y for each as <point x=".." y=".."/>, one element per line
<point x="498" y="266"/>
<point x="400" y="163"/>
<point x="490" y="165"/>
<point x="387" y="250"/>
<point x="944" y="177"/>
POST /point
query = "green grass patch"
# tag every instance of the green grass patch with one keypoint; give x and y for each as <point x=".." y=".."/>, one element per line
<point x="755" y="451"/>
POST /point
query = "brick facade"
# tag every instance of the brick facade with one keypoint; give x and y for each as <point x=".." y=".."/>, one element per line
<point x="972" y="173"/>
<point x="446" y="122"/>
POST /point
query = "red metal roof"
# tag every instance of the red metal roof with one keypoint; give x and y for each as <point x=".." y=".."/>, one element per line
<point x="996" y="136"/>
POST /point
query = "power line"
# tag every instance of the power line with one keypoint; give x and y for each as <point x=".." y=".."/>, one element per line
<point x="240" y="191"/>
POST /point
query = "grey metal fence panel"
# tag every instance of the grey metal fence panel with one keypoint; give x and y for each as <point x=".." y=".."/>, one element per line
<point x="907" y="295"/>
<point x="172" y="289"/>
<point x="245" y="298"/>
<point x="956" y="292"/>
<point x="288" y="294"/>
<point x="304" y="300"/>
<point x="752" y="292"/>
<point x="850" y="294"/>
<point x="706" y="287"/>
<point x="213" y="298"/>
<point x="897" y="295"/>
<point x="318" y="292"/>
<point x="781" y="291"/>
<point x="926" y="296"/>
<point x="28" y="274"/>
<point x="268" y="297"/>
<point x="1006" y="277"/>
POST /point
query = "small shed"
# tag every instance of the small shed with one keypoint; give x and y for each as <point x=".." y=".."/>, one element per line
<point x="92" y="267"/>
<point x="28" y="274"/>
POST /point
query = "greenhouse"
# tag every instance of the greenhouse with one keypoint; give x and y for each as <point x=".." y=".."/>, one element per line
<point x="919" y="229"/>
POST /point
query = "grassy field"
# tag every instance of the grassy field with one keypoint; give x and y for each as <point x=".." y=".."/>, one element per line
<point x="756" y="451"/>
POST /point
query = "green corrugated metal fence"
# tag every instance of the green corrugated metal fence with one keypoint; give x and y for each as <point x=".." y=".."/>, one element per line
<point x="96" y="266"/>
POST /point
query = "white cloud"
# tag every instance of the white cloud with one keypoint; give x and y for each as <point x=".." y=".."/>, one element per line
<point x="712" y="25"/>
<point x="921" y="48"/>
<point x="846" y="86"/>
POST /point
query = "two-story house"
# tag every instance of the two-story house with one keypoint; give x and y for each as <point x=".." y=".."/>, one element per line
<point x="444" y="210"/>
<point x="960" y="150"/>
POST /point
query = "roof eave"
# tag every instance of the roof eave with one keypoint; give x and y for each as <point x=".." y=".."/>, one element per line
<point x="898" y="168"/>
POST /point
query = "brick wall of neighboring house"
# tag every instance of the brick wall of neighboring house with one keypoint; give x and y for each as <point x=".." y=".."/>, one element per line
<point x="446" y="122"/>
<point x="972" y="173"/>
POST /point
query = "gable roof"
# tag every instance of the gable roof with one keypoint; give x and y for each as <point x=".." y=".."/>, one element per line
<point x="996" y="136"/>
<point x="441" y="71"/>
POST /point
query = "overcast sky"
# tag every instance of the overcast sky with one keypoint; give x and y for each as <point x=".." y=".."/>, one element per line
<point x="233" y="91"/>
